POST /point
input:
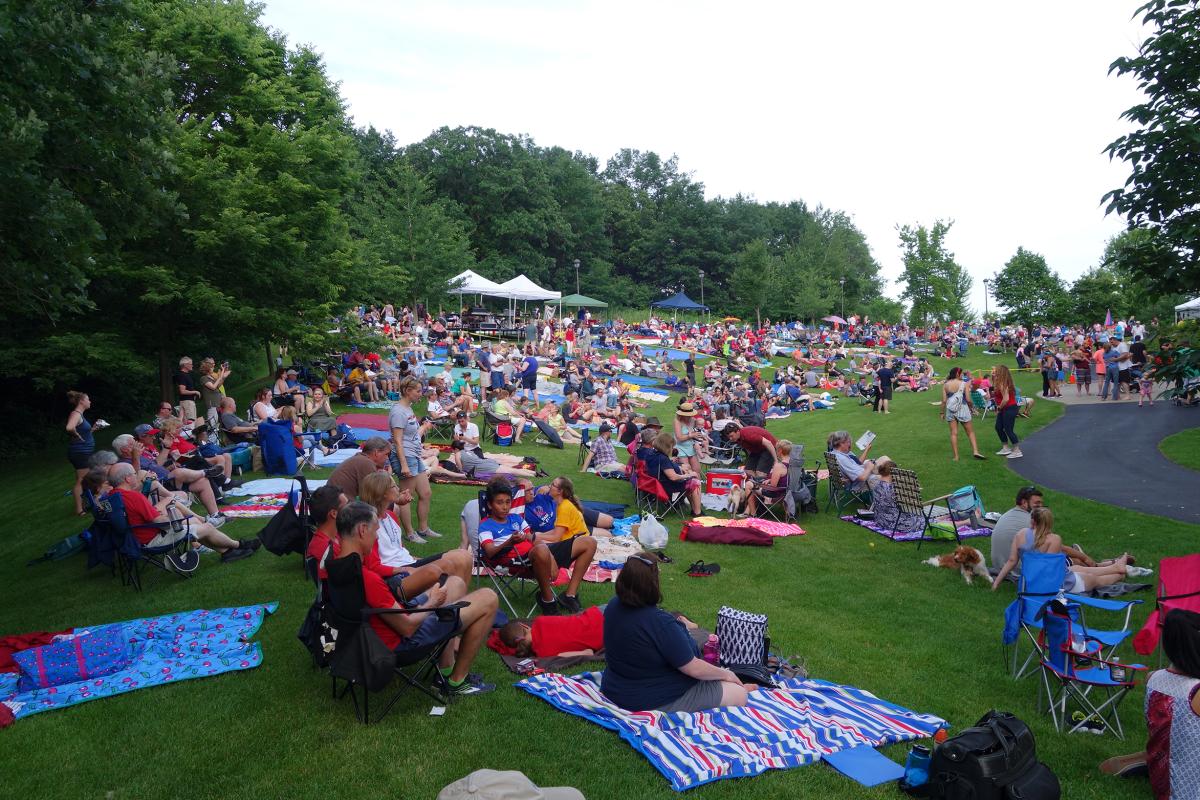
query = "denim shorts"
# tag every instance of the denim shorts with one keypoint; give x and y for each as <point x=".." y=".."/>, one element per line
<point x="415" y="465"/>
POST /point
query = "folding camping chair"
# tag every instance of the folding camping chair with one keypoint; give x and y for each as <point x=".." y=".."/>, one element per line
<point x="651" y="497"/>
<point x="720" y="450"/>
<point x="785" y="503"/>
<point x="1178" y="587"/>
<point x="1042" y="577"/>
<point x="511" y="580"/>
<point x="981" y="403"/>
<point x="349" y="615"/>
<point x="441" y="428"/>
<point x="1072" y="670"/>
<point x="585" y="440"/>
<point x="490" y="422"/>
<point x="962" y="505"/>
<point x="840" y="493"/>
<point x="113" y="542"/>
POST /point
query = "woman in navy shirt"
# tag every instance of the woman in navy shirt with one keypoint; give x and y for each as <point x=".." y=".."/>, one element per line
<point x="652" y="662"/>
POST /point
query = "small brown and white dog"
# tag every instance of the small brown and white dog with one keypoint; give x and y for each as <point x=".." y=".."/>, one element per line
<point x="967" y="560"/>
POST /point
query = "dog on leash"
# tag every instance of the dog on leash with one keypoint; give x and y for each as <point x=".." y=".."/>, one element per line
<point x="967" y="560"/>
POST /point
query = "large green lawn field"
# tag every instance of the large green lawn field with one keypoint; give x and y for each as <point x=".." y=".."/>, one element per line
<point x="859" y="608"/>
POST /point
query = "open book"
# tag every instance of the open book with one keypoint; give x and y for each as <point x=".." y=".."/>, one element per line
<point x="864" y="441"/>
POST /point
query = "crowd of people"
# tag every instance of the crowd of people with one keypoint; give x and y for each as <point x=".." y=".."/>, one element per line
<point x="378" y="501"/>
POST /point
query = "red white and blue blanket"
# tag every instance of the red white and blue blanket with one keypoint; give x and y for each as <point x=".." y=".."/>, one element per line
<point x="796" y="724"/>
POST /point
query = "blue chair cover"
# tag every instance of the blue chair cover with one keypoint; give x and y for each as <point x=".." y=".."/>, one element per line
<point x="278" y="450"/>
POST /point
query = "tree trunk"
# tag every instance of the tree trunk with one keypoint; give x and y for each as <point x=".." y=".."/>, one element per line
<point x="270" y="360"/>
<point x="165" y="372"/>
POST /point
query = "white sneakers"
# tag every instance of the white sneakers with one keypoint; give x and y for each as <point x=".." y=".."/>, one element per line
<point x="1016" y="453"/>
<point x="1003" y="451"/>
<point x="1137" y="572"/>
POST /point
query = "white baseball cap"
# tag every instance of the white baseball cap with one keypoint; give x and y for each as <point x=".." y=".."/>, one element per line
<point x="490" y="784"/>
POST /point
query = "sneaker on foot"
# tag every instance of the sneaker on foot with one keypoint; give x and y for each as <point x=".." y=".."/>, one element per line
<point x="236" y="554"/>
<point x="571" y="604"/>
<point x="467" y="688"/>
<point x="249" y="544"/>
<point x="416" y="538"/>
<point x="430" y="533"/>
<point x="216" y="520"/>
<point x="1015" y="454"/>
<point x="549" y="608"/>
<point x="1003" y="451"/>
<point x="1138" y="572"/>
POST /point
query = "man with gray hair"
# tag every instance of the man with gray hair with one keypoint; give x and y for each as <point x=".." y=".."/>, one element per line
<point x="185" y="387"/>
<point x="141" y="514"/>
<point x="859" y="472"/>
<point x="133" y="451"/>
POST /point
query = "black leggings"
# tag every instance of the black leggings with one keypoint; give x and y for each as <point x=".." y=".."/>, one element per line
<point x="1006" y="419"/>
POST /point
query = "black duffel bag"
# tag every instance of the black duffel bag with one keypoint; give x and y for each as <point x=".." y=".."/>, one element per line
<point x="994" y="760"/>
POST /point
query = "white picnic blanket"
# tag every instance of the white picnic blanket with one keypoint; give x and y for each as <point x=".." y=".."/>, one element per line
<point x="271" y="486"/>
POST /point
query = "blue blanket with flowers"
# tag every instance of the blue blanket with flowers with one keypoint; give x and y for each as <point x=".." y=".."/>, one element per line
<point x="166" y="649"/>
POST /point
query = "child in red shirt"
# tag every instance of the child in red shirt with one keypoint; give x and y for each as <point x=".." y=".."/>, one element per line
<point x="549" y="636"/>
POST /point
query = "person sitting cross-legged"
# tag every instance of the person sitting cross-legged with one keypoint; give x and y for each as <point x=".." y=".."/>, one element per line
<point x="504" y="537"/>
<point x="601" y="456"/>
<point x="358" y="529"/>
<point x="123" y="479"/>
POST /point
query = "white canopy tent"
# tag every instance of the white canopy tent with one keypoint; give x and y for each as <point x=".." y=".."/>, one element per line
<point x="521" y="288"/>
<point x="1188" y="310"/>
<point x="469" y="282"/>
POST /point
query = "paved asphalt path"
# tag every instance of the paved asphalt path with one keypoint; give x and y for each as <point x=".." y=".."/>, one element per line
<point x="1109" y="452"/>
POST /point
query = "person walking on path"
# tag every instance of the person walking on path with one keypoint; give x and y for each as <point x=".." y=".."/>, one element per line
<point x="956" y="408"/>
<point x="1004" y="394"/>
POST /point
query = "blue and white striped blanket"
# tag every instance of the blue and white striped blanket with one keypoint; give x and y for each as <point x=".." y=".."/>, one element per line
<point x="791" y="726"/>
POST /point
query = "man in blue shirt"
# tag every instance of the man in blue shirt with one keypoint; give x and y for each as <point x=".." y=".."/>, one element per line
<point x="1112" y="372"/>
<point x="529" y="368"/>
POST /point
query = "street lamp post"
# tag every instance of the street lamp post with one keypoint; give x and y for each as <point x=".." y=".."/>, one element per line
<point x="701" y="287"/>
<point x="842" y="292"/>
<point x="987" y="286"/>
<point x="577" y="276"/>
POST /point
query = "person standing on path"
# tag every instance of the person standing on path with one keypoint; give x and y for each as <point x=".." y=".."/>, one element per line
<point x="1081" y="362"/>
<point x="1112" y="372"/>
<point x="956" y="408"/>
<point x="1004" y="395"/>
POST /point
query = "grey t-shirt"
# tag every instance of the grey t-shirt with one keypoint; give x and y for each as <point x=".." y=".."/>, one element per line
<point x="1010" y="523"/>
<point x="472" y="463"/>
<point x="402" y="417"/>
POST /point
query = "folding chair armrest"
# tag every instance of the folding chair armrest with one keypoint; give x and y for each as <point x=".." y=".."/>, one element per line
<point x="452" y="608"/>
<point x="936" y="499"/>
<point x="1103" y="605"/>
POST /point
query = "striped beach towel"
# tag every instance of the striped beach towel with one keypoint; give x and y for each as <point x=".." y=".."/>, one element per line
<point x="796" y="724"/>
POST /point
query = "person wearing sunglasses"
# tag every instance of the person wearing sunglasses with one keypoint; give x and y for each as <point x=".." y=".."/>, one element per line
<point x="652" y="663"/>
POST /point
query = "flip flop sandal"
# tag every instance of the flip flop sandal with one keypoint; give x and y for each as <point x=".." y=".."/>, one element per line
<point x="663" y="557"/>
<point x="701" y="570"/>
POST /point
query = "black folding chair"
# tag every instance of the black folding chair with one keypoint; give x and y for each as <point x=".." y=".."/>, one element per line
<point x="113" y="542"/>
<point x="359" y="661"/>
<point x="840" y="493"/>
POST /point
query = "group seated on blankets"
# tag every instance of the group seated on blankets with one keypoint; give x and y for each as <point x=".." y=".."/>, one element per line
<point x="656" y="455"/>
<point x="570" y="636"/>
<point x="601" y="456"/>
<point x="474" y="463"/>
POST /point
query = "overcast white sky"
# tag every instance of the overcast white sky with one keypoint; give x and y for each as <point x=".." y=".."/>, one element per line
<point x="995" y="116"/>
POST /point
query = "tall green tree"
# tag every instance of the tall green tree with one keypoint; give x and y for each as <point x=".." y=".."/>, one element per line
<point x="1163" y="152"/>
<point x="1029" y="291"/>
<point x="935" y="285"/>
<point x="755" y="281"/>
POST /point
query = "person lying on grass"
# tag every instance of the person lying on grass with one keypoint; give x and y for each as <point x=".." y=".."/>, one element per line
<point x="505" y="537"/>
<point x="576" y="635"/>
<point x="652" y="661"/>
<point x="358" y="529"/>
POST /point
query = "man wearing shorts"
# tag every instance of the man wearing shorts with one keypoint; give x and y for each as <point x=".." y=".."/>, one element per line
<point x="505" y="537"/>
<point x="529" y="371"/>
<point x="759" y="445"/>
<point x="358" y="528"/>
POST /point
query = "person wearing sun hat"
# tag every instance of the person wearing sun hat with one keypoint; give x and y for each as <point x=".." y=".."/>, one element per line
<point x="688" y="435"/>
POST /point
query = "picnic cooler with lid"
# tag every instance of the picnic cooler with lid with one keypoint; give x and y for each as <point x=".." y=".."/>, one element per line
<point x="720" y="481"/>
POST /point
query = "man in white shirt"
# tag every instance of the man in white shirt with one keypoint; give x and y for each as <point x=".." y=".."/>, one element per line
<point x="466" y="431"/>
<point x="434" y="409"/>
<point x="859" y="473"/>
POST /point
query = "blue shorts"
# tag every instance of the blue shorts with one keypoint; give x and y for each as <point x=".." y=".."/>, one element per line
<point x="497" y="380"/>
<point x="431" y="632"/>
<point x="415" y="465"/>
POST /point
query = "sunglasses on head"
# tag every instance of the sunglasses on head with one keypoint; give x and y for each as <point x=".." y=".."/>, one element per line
<point x="648" y="562"/>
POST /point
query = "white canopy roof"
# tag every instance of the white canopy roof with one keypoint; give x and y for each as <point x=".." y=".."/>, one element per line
<point x="1189" y="305"/>
<point x="521" y="288"/>
<point x="469" y="282"/>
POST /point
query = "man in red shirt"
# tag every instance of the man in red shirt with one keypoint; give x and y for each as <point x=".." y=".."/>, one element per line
<point x="406" y="581"/>
<point x="140" y="512"/>
<point x="358" y="528"/>
<point x="759" y="445"/>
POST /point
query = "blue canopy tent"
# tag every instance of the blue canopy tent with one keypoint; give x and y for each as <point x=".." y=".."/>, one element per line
<point x="679" y="302"/>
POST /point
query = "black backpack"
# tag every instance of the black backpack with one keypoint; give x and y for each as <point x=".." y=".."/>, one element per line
<point x="994" y="760"/>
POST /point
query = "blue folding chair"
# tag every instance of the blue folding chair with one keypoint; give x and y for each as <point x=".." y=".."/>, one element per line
<point x="1042" y="577"/>
<point x="113" y="543"/>
<point x="1074" y="670"/>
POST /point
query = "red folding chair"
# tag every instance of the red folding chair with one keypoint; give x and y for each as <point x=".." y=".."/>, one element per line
<point x="1178" y="587"/>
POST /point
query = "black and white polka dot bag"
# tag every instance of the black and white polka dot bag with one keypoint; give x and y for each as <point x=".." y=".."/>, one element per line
<point x="742" y="637"/>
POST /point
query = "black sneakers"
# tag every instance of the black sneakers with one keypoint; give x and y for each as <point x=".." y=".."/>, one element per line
<point x="548" y="608"/>
<point x="236" y="554"/>
<point x="571" y="604"/>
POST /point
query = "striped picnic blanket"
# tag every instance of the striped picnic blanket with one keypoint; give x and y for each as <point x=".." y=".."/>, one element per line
<point x="791" y="726"/>
<point x="260" y="505"/>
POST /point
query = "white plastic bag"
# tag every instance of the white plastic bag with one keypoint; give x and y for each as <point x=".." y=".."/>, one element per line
<point x="652" y="533"/>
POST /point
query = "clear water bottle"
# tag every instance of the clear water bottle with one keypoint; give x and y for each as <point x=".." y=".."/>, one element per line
<point x="711" y="650"/>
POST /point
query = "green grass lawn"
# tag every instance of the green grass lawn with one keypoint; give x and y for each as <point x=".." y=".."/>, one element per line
<point x="1183" y="448"/>
<point x="859" y="608"/>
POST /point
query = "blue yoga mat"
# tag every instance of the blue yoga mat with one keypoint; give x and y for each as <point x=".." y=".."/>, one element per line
<point x="864" y="764"/>
<point x="638" y="380"/>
